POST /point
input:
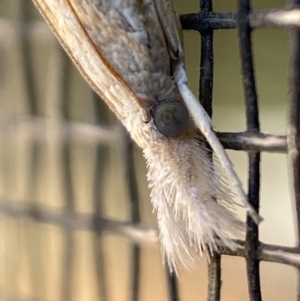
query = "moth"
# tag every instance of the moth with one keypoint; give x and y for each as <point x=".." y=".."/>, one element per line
<point x="131" y="53"/>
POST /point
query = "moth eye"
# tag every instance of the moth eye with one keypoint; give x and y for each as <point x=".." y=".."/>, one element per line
<point x="171" y="117"/>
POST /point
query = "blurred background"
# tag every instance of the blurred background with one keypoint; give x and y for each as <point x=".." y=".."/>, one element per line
<point x="54" y="156"/>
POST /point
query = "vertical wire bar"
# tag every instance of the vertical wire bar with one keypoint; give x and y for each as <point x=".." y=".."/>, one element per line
<point x="206" y="5"/>
<point x="128" y="157"/>
<point x="206" y="63"/>
<point x="100" y="113"/>
<point x="214" y="278"/>
<point x="34" y="153"/>
<point x="294" y="122"/>
<point x="28" y="69"/>
<point x="9" y="235"/>
<point x="9" y="238"/>
<point x="172" y="285"/>
<point x="205" y="97"/>
<point x="57" y="98"/>
<point x="252" y="236"/>
<point x="68" y="188"/>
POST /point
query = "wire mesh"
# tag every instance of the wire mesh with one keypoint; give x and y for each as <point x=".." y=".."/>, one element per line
<point x="51" y="120"/>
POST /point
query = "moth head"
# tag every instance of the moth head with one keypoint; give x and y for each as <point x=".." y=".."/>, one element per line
<point x="170" y="117"/>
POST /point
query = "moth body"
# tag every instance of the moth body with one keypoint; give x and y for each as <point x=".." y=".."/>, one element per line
<point x="130" y="51"/>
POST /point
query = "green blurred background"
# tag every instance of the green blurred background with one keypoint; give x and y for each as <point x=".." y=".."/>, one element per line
<point x="32" y="256"/>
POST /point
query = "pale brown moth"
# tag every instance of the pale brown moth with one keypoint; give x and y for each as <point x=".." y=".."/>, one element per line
<point x="131" y="53"/>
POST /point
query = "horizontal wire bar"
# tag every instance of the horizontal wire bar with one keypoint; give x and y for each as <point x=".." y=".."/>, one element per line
<point x="71" y="220"/>
<point x="197" y="21"/>
<point x="263" y="18"/>
<point x="254" y="141"/>
<point x="270" y="253"/>
<point x="10" y="28"/>
<point x="41" y="128"/>
<point x="139" y="233"/>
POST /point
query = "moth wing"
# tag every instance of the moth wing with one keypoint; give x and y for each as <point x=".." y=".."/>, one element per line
<point x="129" y="36"/>
<point x="171" y="28"/>
<point x="93" y="66"/>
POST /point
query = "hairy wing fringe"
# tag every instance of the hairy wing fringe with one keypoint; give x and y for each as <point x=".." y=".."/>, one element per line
<point x="184" y="186"/>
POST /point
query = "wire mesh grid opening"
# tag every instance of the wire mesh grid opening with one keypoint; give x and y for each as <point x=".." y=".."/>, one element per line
<point x="58" y="158"/>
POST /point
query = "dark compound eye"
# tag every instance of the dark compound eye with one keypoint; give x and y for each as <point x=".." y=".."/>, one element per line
<point x="171" y="117"/>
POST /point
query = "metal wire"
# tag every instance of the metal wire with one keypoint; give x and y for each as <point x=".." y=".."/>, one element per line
<point x="66" y="131"/>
